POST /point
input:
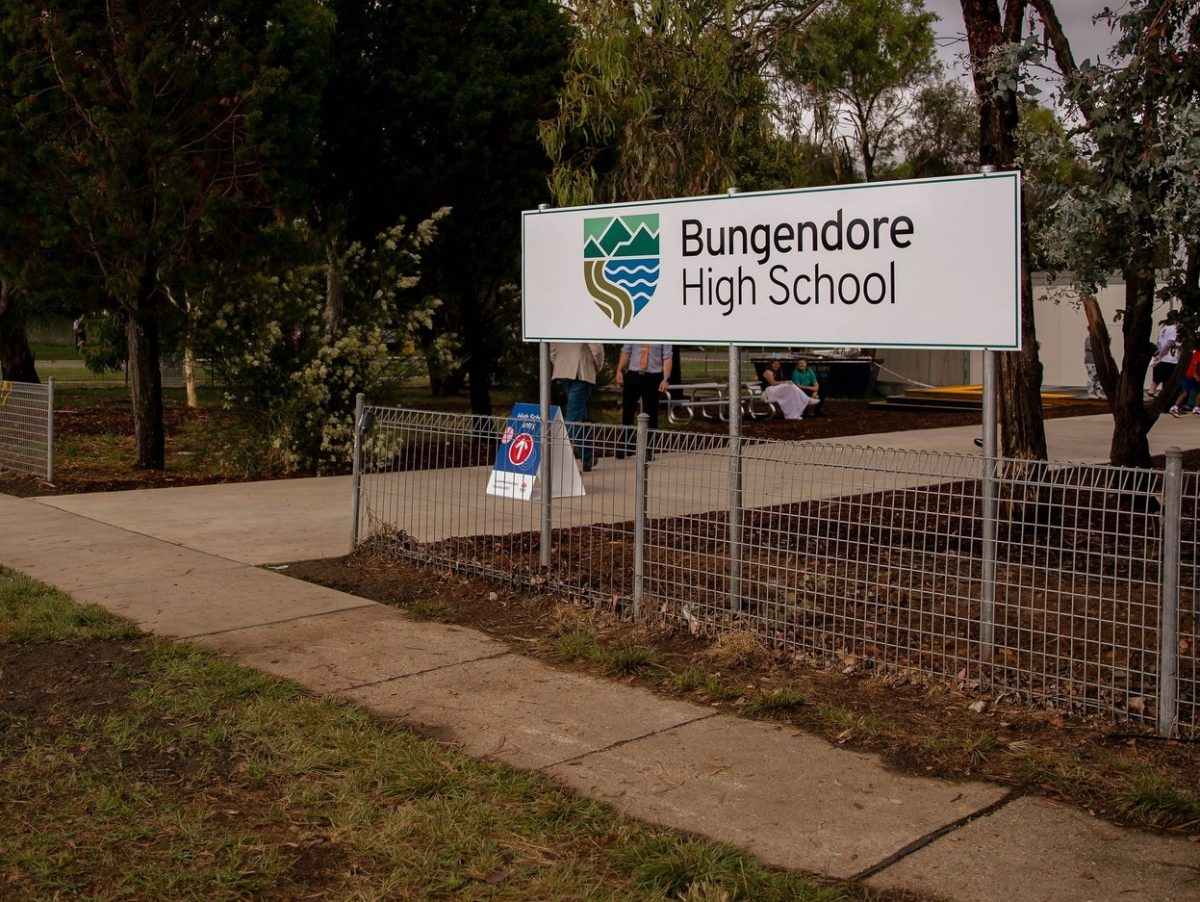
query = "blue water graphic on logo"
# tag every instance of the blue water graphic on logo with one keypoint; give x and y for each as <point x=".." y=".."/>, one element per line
<point x="638" y="276"/>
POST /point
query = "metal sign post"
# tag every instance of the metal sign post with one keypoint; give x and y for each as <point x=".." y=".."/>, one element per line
<point x="735" y="478"/>
<point x="547" y="468"/>
<point x="987" y="598"/>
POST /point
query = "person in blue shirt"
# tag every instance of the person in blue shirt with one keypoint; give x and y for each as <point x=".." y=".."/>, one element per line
<point x="643" y="373"/>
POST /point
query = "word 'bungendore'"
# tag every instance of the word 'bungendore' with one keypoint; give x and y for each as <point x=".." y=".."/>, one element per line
<point x="798" y="238"/>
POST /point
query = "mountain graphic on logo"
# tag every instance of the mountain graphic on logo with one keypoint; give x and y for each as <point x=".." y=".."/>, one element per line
<point x="621" y="264"/>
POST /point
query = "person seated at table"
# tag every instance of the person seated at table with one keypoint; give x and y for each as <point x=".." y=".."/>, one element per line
<point x="806" y="379"/>
<point x="784" y="394"/>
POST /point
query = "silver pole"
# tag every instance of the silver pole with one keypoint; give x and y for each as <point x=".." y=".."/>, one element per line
<point x="50" y="430"/>
<point x="987" y="600"/>
<point x="1168" y="617"/>
<point x="356" y="478"/>
<point x="987" y="604"/>
<point x="547" y="469"/>
<point x="735" y="478"/>
<point x="641" y="476"/>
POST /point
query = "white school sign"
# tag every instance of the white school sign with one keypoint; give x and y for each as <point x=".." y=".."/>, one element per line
<point x="933" y="263"/>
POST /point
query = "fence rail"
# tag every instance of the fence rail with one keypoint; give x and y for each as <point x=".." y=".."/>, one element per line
<point x="842" y="553"/>
<point x="27" y="428"/>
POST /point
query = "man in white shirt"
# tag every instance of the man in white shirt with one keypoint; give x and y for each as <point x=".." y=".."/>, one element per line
<point x="1166" y="356"/>
<point x="575" y="366"/>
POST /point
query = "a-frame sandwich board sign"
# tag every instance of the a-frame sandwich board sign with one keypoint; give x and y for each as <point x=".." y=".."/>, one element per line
<point x="517" y="472"/>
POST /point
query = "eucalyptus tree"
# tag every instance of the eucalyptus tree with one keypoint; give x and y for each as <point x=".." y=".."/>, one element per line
<point x="1140" y="118"/>
<point x="149" y="124"/>
<point x="661" y="94"/>
<point x="942" y="135"/>
<point x="995" y="40"/>
<point x="860" y="64"/>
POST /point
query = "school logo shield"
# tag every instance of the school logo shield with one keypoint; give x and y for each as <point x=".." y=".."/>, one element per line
<point x="621" y="264"/>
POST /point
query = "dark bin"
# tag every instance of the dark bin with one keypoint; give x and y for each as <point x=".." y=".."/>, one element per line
<point x="845" y="377"/>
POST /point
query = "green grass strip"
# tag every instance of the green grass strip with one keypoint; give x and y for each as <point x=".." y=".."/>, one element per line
<point x="190" y="776"/>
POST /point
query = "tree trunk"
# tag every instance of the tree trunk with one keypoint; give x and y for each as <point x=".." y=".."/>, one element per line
<point x="1019" y="408"/>
<point x="16" y="358"/>
<point x="1107" y="370"/>
<point x="145" y="385"/>
<point x="1132" y="416"/>
<point x="868" y="159"/>
<point x="335" y="304"/>
<point x="1023" y="430"/>
<point x="480" y="348"/>
<point x="189" y="351"/>
<point x="189" y="373"/>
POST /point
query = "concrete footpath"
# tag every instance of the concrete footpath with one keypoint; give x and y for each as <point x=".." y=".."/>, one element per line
<point x="183" y="563"/>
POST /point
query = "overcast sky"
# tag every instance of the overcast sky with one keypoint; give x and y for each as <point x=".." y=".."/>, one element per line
<point x="1088" y="41"/>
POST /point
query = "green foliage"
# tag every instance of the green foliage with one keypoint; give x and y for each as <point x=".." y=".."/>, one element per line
<point x="134" y="134"/>
<point x="1141" y="118"/>
<point x="576" y="645"/>
<point x="859" y="62"/>
<point x="778" y="700"/>
<point x="658" y="97"/>
<point x="629" y="658"/>
<point x="942" y="137"/>
<point x="106" y="350"/>
<point x="1139" y="212"/>
<point x="435" y="103"/>
<point x="978" y="749"/>
<point x="774" y="162"/>
<point x="274" y="348"/>
<point x="1156" y="801"/>
<point x="695" y="678"/>
<point x="673" y="868"/>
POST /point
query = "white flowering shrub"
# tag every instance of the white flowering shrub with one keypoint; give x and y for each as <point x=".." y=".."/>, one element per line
<point x="281" y="351"/>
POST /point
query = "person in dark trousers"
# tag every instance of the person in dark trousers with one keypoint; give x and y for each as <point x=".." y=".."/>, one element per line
<point x="575" y="368"/>
<point x="643" y="372"/>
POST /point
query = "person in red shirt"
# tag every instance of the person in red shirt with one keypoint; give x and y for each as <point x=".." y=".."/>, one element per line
<point x="1191" y="385"/>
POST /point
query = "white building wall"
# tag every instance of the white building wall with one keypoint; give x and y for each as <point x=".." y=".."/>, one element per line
<point x="1061" y="327"/>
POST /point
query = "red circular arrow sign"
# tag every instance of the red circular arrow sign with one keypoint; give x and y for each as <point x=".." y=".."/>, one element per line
<point x="520" y="449"/>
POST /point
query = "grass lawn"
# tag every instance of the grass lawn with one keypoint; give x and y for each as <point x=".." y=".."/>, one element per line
<point x="43" y="351"/>
<point x="132" y="767"/>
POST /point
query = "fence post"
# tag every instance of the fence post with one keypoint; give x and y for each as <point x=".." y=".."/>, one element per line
<point x="1168" y="615"/>
<point x="545" y="450"/>
<point x="360" y="401"/>
<point x="641" y="476"/>
<point x="987" y="597"/>
<point x="735" y="478"/>
<point x="50" y="429"/>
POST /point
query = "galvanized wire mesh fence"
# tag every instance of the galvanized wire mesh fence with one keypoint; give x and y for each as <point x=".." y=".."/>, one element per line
<point x="867" y="556"/>
<point x="27" y="428"/>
